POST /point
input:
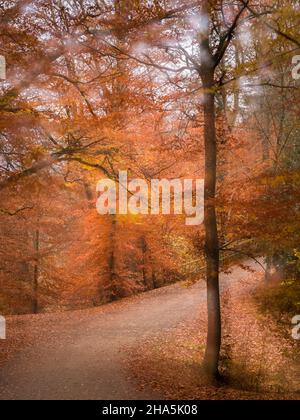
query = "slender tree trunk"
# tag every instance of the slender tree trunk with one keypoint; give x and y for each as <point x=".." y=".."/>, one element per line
<point x="144" y="249"/>
<point x="211" y="359"/>
<point x="153" y="278"/>
<point x="115" y="106"/>
<point x="236" y="95"/>
<point x="114" y="291"/>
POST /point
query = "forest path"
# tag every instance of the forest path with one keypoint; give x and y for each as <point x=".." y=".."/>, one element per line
<point x="80" y="355"/>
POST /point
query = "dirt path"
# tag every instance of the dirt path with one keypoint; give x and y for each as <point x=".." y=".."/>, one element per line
<point x="78" y="355"/>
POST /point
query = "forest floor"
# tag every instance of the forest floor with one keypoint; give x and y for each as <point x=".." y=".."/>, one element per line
<point x="138" y="348"/>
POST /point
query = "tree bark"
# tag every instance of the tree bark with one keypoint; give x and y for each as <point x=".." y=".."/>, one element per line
<point x="144" y="249"/>
<point x="212" y="254"/>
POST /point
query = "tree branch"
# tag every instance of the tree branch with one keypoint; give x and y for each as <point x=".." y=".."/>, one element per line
<point x="227" y="37"/>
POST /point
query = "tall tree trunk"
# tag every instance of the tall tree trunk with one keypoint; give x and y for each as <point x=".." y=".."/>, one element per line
<point x="239" y="58"/>
<point x="115" y="107"/>
<point x="211" y="359"/>
<point x="113" y="286"/>
<point x="144" y="249"/>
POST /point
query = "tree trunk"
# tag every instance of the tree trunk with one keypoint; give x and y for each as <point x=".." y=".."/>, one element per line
<point x="113" y="286"/>
<point x="144" y="249"/>
<point x="212" y="254"/>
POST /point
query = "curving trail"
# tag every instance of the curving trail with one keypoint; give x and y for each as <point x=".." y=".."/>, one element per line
<point x="78" y="355"/>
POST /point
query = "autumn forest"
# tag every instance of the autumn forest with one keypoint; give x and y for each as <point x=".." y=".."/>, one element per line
<point x="107" y="293"/>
